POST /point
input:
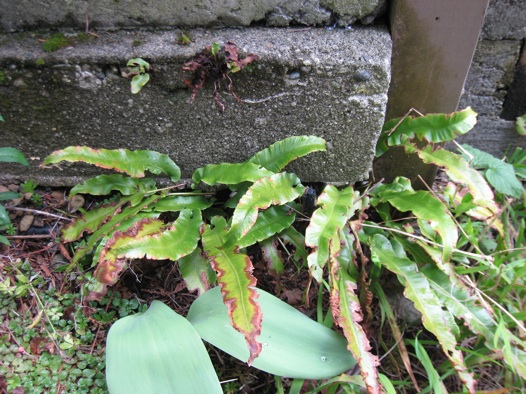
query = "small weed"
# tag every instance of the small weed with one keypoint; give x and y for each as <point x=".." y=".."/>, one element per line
<point x="184" y="39"/>
<point x="138" y="69"/>
<point x="28" y="186"/>
<point x="215" y="63"/>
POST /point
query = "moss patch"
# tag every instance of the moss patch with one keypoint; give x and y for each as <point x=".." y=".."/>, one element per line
<point x="59" y="40"/>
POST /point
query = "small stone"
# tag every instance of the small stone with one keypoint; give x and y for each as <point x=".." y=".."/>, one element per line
<point x="26" y="222"/>
<point x="58" y="196"/>
<point x="75" y="202"/>
<point x="294" y="75"/>
<point x="362" y="76"/>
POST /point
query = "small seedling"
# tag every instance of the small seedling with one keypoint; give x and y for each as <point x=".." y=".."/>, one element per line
<point x="184" y="39"/>
<point x="138" y="68"/>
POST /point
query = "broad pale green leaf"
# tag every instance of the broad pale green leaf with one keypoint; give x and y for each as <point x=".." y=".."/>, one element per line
<point x="438" y="321"/>
<point x="500" y="175"/>
<point x="269" y="222"/>
<point x="133" y="163"/>
<point x="105" y="184"/>
<point x="4" y="240"/>
<point x="278" y="189"/>
<point x="196" y="271"/>
<point x="347" y="313"/>
<point x="229" y="173"/>
<point x="431" y="127"/>
<point x="336" y="207"/>
<point x="430" y="212"/>
<point x="281" y="153"/>
<point x="177" y="203"/>
<point x="12" y="155"/>
<point x="6" y="196"/>
<point x="234" y="274"/>
<point x="459" y="171"/>
<point x="158" y="352"/>
<point x="272" y="255"/>
<point x="145" y="240"/>
<point x="294" y="345"/>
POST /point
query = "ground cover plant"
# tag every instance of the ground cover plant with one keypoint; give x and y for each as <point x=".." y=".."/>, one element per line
<point x="455" y="251"/>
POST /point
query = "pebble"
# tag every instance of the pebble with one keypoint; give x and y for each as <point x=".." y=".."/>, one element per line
<point x="26" y="222"/>
<point x="362" y="76"/>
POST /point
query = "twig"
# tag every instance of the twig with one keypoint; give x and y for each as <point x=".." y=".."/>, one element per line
<point x="402" y="119"/>
<point x="36" y="211"/>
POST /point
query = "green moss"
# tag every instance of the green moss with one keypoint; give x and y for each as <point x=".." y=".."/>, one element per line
<point x="55" y="42"/>
<point x="40" y="62"/>
<point x="59" y="40"/>
<point x="136" y="43"/>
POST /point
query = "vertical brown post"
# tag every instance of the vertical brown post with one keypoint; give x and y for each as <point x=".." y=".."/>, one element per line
<point x="433" y="46"/>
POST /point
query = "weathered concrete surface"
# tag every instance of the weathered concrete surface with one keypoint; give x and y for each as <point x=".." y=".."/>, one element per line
<point x="505" y="19"/>
<point x="491" y="77"/>
<point x="112" y="14"/>
<point x="329" y="83"/>
<point x="486" y="87"/>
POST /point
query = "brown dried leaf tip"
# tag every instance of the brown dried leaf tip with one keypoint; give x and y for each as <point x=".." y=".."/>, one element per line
<point x="215" y="63"/>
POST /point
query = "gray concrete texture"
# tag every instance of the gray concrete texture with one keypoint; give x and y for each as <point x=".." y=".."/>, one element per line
<point x="116" y="14"/>
<point x="491" y="75"/>
<point x="315" y="81"/>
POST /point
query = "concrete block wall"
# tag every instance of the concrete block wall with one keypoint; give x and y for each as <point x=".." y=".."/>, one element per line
<point x="330" y="81"/>
<point x="493" y="83"/>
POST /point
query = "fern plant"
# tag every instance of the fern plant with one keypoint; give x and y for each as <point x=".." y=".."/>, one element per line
<point x="427" y="242"/>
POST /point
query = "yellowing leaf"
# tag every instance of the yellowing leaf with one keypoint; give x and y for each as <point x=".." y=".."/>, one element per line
<point x="133" y="163"/>
<point x="278" y="189"/>
<point x="234" y="274"/>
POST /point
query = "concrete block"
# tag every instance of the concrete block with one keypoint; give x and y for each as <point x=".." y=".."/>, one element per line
<point x="492" y="68"/>
<point x="505" y="19"/>
<point x="495" y="136"/>
<point x="113" y="14"/>
<point x="329" y="83"/>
